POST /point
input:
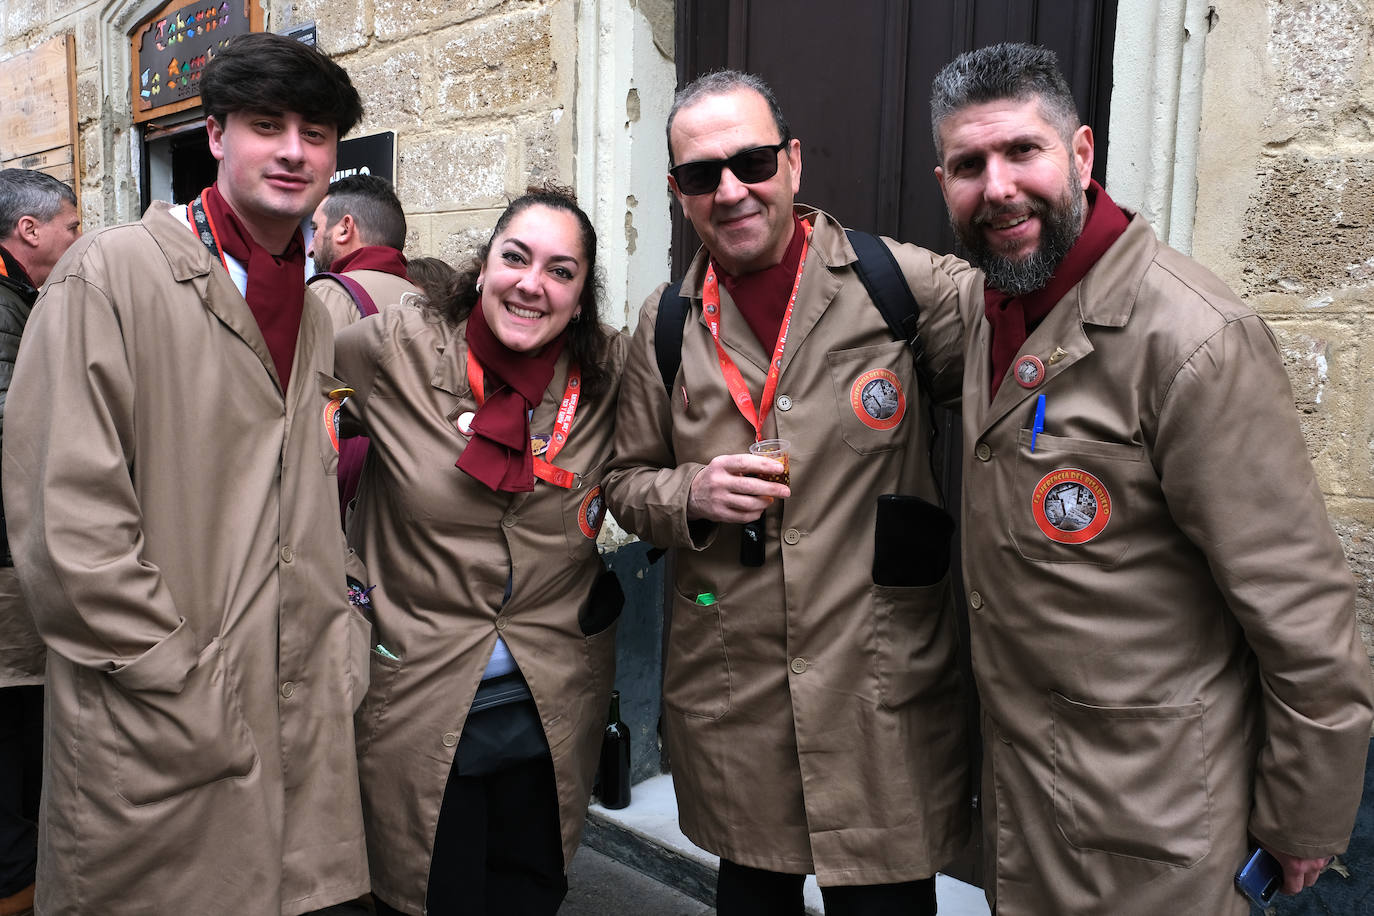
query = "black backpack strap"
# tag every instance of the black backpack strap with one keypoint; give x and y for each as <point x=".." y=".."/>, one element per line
<point x="886" y="286"/>
<point x="672" y="317"/>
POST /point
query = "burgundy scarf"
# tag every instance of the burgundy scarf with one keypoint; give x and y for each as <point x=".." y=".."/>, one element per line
<point x="1013" y="317"/>
<point x="373" y="257"/>
<point x="761" y="296"/>
<point x="276" y="283"/>
<point x="498" y="454"/>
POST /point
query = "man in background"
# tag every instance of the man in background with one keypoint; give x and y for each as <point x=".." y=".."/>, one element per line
<point x="359" y="232"/>
<point x="38" y="223"/>
<point x="357" y="235"/>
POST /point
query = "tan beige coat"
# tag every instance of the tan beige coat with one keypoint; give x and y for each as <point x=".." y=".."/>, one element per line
<point x="439" y="546"/>
<point x="384" y="288"/>
<point x="814" y="719"/>
<point x="174" y="524"/>
<point x="1188" y="672"/>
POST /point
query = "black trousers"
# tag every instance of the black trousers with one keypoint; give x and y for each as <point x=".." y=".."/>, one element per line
<point x="745" y="891"/>
<point x="498" y="848"/>
<point x="21" y="779"/>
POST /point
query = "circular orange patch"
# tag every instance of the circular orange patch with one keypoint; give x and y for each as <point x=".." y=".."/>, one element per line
<point x="1071" y="506"/>
<point x="877" y="399"/>
<point x="592" y="512"/>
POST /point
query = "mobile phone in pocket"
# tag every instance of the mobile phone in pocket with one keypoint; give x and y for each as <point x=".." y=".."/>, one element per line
<point x="1260" y="877"/>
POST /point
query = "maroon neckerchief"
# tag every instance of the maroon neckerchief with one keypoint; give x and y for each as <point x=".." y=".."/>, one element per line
<point x="498" y="454"/>
<point x="1013" y="317"/>
<point x="276" y="283"/>
<point x="373" y="257"/>
<point x="762" y="296"/>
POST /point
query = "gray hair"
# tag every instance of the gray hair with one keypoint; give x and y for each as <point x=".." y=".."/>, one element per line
<point x="1008" y="71"/>
<point x="721" y="82"/>
<point x="24" y="192"/>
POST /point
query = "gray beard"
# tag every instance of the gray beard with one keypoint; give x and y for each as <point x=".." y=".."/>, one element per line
<point x="1060" y="229"/>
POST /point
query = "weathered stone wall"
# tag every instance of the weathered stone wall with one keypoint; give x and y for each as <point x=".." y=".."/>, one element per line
<point x="479" y="93"/>
<point x="1285" y="215"/>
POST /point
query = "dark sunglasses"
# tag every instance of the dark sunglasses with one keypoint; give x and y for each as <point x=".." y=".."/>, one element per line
<point x="750" y="166"/>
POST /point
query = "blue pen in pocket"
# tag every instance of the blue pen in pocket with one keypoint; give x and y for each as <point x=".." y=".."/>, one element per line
<point x="1038" y="426"/>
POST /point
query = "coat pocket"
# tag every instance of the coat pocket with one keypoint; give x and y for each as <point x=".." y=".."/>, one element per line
<point x="169" y="743"/>
<point x="696" y="673"/>
<point x="359" y="650"/>
<point x="914" y="636"/>
<point x="1132" y="781"/>
<point x="383" y="672"/>
<point x="875" y="396"/>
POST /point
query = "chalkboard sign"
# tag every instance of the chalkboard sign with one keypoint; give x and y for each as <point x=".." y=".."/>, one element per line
<point x="171" y="48"/>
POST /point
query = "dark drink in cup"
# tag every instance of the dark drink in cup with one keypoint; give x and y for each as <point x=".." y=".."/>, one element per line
<point x="777" y="450"/>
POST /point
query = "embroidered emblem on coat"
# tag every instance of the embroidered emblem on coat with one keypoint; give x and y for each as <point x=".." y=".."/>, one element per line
<point x="592" y="512"/>
<point x="877" y="399"/>
<point x="1071" y="506"/>
<point x="332" y="409"/>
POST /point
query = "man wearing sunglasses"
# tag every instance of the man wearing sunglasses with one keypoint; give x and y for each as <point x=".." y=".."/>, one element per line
<point x="812" y="704"/>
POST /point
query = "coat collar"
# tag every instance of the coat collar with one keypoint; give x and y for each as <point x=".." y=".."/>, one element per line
<point x="829" y="248"/>
<point x="190" y="261"/>
<point x="1105" y="297"/>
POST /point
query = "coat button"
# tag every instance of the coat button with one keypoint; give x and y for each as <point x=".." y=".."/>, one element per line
<point x="509" y="521"/>
<point x="287" y="554"/>
<point x="975" y="599"/>
<point x="450" y="739"/>
<point x="983" y="452"/>
<point x="784" y="402"/>
<point x="791" y="535"/>
<point x="798" y="665"/>
<point x="501" y="622"/>
<point x="287" y="689"/>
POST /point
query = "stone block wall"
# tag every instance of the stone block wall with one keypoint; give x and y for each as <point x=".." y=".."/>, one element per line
<point x="479" y="93"/>
<point x="1285" y="215"/>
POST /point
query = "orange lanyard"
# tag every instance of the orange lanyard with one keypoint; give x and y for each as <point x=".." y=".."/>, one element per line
<point x="543" y="464"/>
<point x="739" y="392"/>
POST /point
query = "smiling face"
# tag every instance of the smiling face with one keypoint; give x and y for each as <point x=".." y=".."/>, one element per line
<point x="1014" y="190"/>
<point x="746" y="227"/>
<point x="274" y="169"/>
<point x="533" y="278"/>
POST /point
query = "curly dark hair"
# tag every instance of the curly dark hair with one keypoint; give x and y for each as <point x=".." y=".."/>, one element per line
<point x="587" y="343"/>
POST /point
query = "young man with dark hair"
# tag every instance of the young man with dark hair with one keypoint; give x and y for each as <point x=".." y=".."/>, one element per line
<point x="38" y="222"/>
<point x="169" y="480"/>
<point x="1162" y="619"/>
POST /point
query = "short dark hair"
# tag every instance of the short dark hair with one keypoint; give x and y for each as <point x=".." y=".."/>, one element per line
<point x="587" y="343"/>
<point x="25" y="192"/>
<point x="1007" y="71"/>
<point x="262" y="71"/>
<point x="721" y="82"/>
<point x="372" y="203"/>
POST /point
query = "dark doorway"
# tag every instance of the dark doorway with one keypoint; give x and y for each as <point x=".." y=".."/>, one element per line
<point x="177" y="164"/>
<point x="854" y="81"/>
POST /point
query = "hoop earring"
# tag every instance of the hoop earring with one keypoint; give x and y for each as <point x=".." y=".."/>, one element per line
<point x="577" y="316"/>
<point x="479" y="286"/>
